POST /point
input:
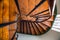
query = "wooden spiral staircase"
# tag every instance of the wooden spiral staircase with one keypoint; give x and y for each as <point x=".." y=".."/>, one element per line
<point x="36" y="23"/>
<point x="37" y="20"/>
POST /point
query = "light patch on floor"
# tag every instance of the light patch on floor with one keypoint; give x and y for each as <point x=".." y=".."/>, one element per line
<point x="51" y="35"/>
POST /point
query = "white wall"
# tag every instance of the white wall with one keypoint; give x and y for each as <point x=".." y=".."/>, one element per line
<point x="58" y="6"/>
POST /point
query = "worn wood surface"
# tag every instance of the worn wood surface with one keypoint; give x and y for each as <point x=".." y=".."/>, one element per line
<point x="1" y="4"/>
<point x="12" y="17"/>
<point x="8" y="13"/>
<point x="4" y="17"/>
